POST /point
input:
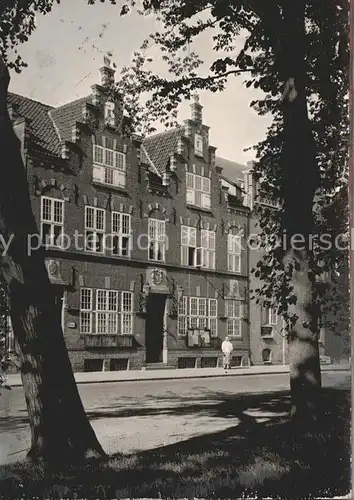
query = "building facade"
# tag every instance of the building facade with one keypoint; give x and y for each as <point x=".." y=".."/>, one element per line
<point x="268" y="343"/>
<point x="144" y="241"/>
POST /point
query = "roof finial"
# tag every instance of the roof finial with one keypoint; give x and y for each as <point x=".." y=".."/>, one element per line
<point x="107" y="59"/>
<point x="196" y="98"/>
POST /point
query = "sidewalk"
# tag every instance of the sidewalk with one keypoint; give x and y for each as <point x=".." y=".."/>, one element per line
<point x="14" y="380"/>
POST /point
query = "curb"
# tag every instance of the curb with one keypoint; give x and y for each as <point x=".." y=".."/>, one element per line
<point x="139" y="378"/>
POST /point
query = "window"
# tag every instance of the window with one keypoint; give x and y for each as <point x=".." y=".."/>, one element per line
<point x="197" y="312"/>
<point x="236" y="361"/>
<point x="272" y="316"/>
<point x="113" y="313"/>
<point x="213" y="317"/>
<point x="157" y="239"/>
<point x="121" y="231"/>
<point x="191" y="255"/>
<point x="106" y="311"/>
<point x="93" y="365"/>
<point x="95" y="222"/>
<point x="109" y="113"/>
<point x="267" y="356"/>
<point x="198" y="191"/>
<point x="188" y="246"/>
<point x="52" y="221"/>
<point x="86" y="310"/>
<point x="198" y="144"/>
<point x="182" y="316"/>
<point x="234" y="253"/>
<point x="109" y="166"/>
<point x="126" y="313"/>
<point x="208" y="249"/>
<point x="233" y="314"/>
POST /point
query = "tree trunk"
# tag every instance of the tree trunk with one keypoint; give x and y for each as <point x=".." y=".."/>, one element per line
<point x="305" y="374"/>
<point x="301" y="179"/>
<point x="61" y="432"/>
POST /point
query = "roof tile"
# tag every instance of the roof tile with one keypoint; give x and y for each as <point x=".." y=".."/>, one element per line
<point x="44" y="135"/>
<point x="161" y="146"/>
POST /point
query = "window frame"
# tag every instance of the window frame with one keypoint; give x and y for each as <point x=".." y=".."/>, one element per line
<point x="121" y="234"/>
<point x="88" y="311"/>
<point x="101" y="168"/>
<point x="157" y="242"/>
<point x="192" y="191"/>
<point x="195" y="313"/>
<point x="51" y="222"/>
<point x="269" y="361"/>
<point x="234" y="253"/>
<point x="112" y="315"/>
<point x="233" y="320"/>
<point x="191" y="238"/>
<point x="209" y="250"/>
<point x="272" y="316"/>
<point x="94" y="229"/>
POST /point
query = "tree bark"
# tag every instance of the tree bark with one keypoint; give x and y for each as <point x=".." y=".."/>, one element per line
<point x="61" y="432"/>
<point x="301" y="179"/>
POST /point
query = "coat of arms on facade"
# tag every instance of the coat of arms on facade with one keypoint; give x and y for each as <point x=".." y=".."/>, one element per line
<point x="157" y="276"/>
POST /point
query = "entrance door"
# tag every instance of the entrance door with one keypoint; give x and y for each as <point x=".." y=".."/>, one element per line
<point x="58" y="300"/>
<point x="154" y="327"/>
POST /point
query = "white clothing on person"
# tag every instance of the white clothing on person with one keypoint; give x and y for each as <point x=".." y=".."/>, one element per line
<point x="227" y="349"/>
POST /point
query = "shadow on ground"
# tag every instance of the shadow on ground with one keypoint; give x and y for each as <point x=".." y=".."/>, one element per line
<point x="262" y="455"/>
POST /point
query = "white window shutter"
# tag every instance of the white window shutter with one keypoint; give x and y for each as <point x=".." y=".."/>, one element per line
<point x="190" y="196"/>
<point x="206" y="185"/>
<point x="199" y="257"/>
<point x="184" y="235"/>
<point x="192" y="237"/>
<point x="184" y="255"/>
<point x="190" y="180"/>
<point x="204" y="238"/>
<point x="212" y="240"/>
<point x="198" y="182"/>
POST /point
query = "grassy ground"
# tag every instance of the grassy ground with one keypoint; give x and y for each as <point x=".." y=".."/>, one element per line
<point x="265" y="456"/>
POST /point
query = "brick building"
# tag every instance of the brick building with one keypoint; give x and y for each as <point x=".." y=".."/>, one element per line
<point x="267" y="341"/>
<point x="143" y="239"/>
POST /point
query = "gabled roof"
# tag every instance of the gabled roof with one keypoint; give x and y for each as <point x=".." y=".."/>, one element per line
<point x="44" y="135"/>
<point x="231" y="170"/>
<point x="65" y="117"/>
<point x="160" y="147"/>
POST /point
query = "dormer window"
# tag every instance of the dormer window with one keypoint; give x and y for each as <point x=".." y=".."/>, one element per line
<point x="198" y="145"/>
<point x="109" y="166"/>
<point x="109" y="115"/>
<point x="198" y="191"/>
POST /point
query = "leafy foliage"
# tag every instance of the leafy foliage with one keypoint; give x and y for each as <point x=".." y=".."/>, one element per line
<point x="18" y="21"/>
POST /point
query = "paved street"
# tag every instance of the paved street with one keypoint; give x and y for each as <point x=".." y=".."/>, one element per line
<point x="135" y="416"/>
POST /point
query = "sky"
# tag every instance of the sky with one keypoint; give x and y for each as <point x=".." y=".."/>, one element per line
<point x="66" y="50"/>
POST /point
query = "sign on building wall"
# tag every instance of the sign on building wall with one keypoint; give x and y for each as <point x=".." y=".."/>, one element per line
<point x="198" y="337"/>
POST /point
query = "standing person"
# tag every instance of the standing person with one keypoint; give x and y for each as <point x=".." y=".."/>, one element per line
<point x="227" y="349"/>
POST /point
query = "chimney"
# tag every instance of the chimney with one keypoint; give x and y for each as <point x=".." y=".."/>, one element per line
<point x="196" y="108"/>
<point x="107" y="73"/>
